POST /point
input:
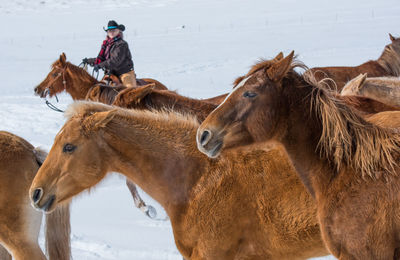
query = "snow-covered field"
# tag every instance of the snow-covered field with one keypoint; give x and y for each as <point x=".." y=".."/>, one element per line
<point x="197" y="47"/>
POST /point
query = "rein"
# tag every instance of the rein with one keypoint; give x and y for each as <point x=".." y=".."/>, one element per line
<point x="49" y="104"/>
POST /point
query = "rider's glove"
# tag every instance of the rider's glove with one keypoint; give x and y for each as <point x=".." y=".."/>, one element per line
<point x="96" y="67"/>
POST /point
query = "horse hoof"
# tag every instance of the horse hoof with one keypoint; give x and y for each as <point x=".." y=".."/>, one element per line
<point x="151" y="212"/>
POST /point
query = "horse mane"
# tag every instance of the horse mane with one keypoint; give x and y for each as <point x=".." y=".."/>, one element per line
<point x="76" y="71"/>
<point x="104" y="93"/>
<point x="83" y="109"/>
<point x="390" y="60"/>
<point x="347" y="139"/>
<point x="259" y="65"/>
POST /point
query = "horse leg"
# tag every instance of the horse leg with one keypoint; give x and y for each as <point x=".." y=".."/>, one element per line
<point x="4" y="255"/>
<point x="149" y="210"/>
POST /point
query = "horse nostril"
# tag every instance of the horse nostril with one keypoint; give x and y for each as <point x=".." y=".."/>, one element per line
<point x="205" y="137"/>
<point x="37" y="195"/>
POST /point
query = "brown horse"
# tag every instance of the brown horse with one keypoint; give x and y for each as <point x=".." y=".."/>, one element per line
<point x="247" y="205"/>
<point x="388" y="64"/>
<point x="349" y="165"/>
<point x="64" y="76"/>
<point x="19" y="222"/>
<point x="383" y="89"/>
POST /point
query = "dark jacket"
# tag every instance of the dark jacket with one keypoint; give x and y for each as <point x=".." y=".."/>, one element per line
<point x="120" y="60"/>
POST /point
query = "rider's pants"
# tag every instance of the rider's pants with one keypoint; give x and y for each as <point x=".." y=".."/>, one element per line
<point x="128" y="79"/>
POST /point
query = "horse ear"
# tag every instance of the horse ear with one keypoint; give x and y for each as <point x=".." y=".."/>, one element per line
<point x="392" y="38"/>
<point x="278" y="57"/>
<point x="360" y="80"/>
<point x="101" y="119"/>
<point x="63" y="58"/>
<point x="143" y="91"/>
<point x="279" y="69"/>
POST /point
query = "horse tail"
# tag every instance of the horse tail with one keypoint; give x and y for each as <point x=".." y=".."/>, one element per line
<point x="4" y="255"/>
<point x="58" y="226"/>
<point x="58" y="229"/>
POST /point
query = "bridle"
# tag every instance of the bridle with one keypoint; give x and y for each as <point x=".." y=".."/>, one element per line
<point x="47" y="90"/>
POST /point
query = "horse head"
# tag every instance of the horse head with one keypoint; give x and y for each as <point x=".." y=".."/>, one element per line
<point x="253" y="101"/>
<point x="55" y="80"/>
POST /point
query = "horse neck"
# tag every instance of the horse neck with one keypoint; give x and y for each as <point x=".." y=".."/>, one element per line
<point x="165" y="167"/>
<point x="78" y="85"/>
<point x="390" y="61"/>
<point x="301" y="140"/>
<point x="163" y="99"/>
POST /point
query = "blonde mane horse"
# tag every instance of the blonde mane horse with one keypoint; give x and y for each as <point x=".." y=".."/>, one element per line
<point x="245" y="205"/>
<point x="383" y="89"/>
<point x="19" y="222"/>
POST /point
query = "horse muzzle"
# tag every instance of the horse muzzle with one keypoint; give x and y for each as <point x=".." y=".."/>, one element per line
<point x="209" y="143"/>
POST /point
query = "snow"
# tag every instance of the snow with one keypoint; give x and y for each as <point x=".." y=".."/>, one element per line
<point x="197" y="47"/>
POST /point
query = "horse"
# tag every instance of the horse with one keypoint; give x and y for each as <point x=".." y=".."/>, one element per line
<point x="148" y="98"/>
<point x="383" y="89"/>
<point x="76" y="81"/>
<point x="388" y="64"/>
<point x="350" y="166"/>
<point x="247" y="205"/>
<point x="19" y="221"/>
<point x="64" y="76"/>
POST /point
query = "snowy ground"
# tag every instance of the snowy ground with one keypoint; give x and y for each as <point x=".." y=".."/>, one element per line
<point x="197" y="47"/>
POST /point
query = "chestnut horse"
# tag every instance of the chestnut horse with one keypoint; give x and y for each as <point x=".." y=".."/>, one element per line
<point x="383" y="89"/>
<point x="349" y="166"/>
<point x="64" y="76"/>
<point x="388" y="64"/>
<point x="19" y="222"/>
<point x="246" y="205"/>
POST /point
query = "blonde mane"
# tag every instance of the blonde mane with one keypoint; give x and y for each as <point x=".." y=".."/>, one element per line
<point x="82" y="109"/>
<point x="390" y="60"/>
<point x="347" y="139"/>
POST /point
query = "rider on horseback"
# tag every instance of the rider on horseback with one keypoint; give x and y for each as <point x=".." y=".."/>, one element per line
<point x="115" y="56"/>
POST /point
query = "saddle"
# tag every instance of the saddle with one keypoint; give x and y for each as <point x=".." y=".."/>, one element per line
<point x="114" y="81"/>
<point x="110" y="80"/>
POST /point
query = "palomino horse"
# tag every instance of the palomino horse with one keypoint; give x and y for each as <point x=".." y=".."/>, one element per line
<point x="388" y="64"/>
<point x="349" y="166"/>
<point x="64" y="76"/>
<point x="246" y="205"/>
<point x="383" y="89"/>
<point x="19" y="222"/>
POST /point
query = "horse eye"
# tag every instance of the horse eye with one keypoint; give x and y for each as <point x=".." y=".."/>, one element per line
<point x="249" y="94"/>
<point x="69" y="148"/>
<point x="55" y="74"/>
